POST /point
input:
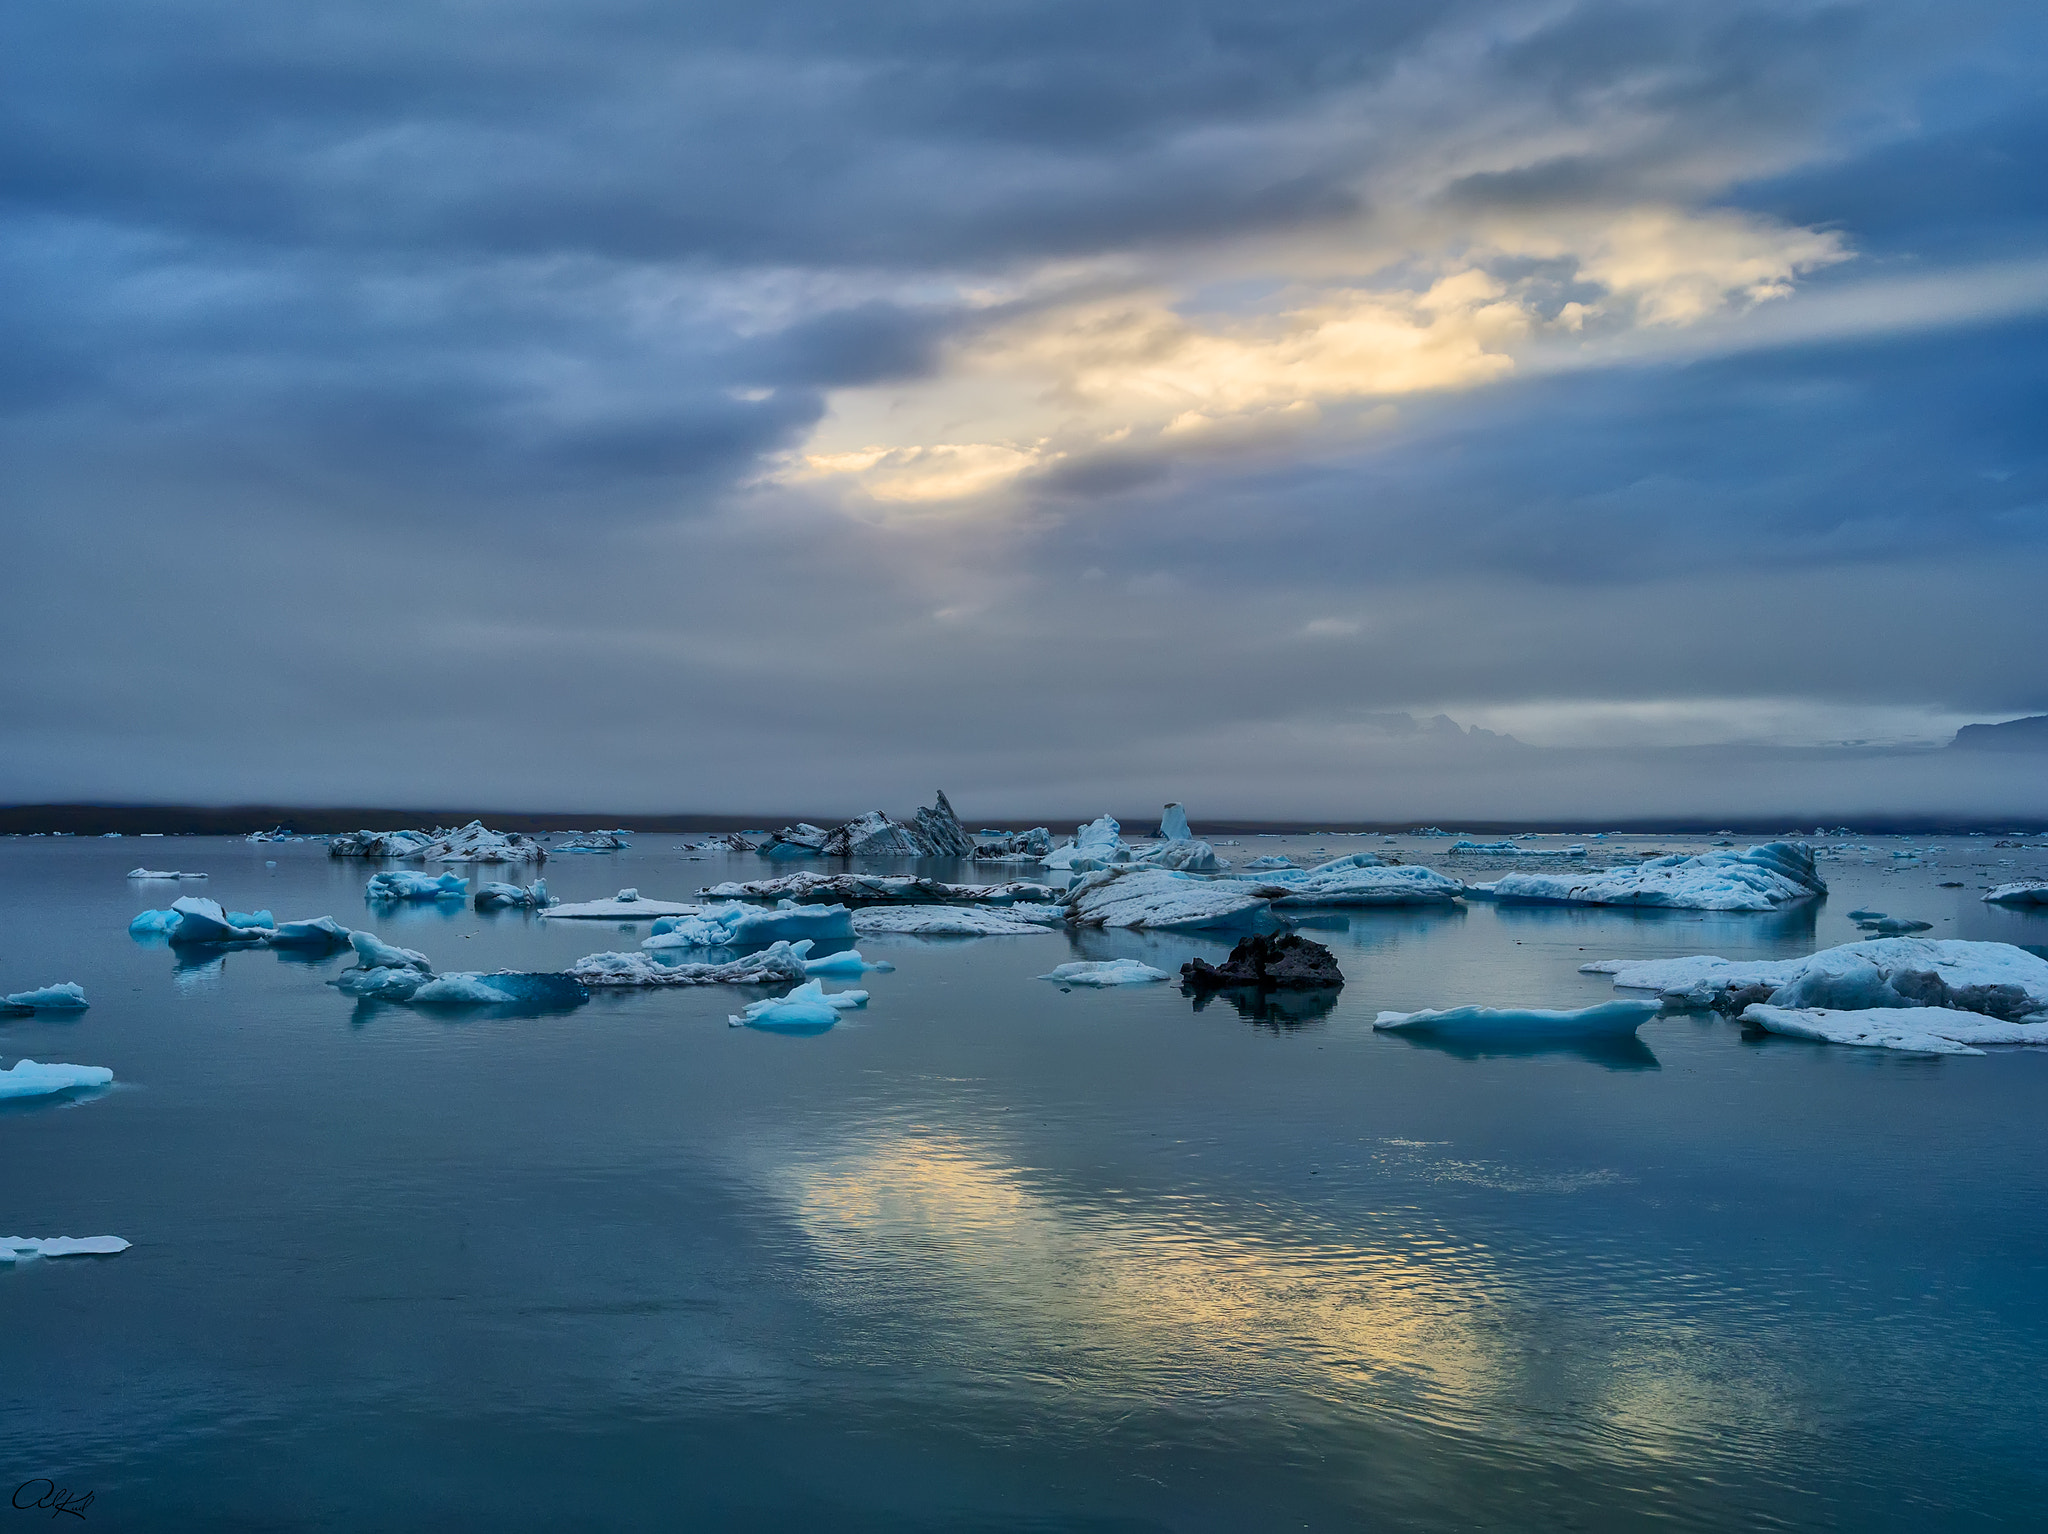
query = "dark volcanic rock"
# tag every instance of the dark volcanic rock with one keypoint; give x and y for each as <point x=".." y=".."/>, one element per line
<point x="1267" y="961"/>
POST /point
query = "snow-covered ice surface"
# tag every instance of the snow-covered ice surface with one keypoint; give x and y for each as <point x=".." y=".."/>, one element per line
<point x="28" y="1248"/>
<point x="1761" y="879"/>
<point x="1608" y="1017"/>
<point x="27" y="1078"/>
<point x="944" y="921"/>
<point x="1360" y="880"/>
<point x="807" y="1009"/>
<point x="2025" y="892"/>
<point x="1992" y="979"/>
<point x="405" y="884"/>
<point x="1914" y="1030"/>
<point x="627" y="905"/>
<point x="777" y="963"/>
<point x="1105" y="972"/>
<point x="1162" y="900"/>
<point x="66" y="996"/>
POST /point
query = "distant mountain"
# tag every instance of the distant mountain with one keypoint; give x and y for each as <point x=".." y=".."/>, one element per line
<point x="1442" y="727"/>
<point x="2014" y="735"/>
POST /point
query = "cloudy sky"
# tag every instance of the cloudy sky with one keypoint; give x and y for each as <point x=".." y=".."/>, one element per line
<point x="601" y="403"/>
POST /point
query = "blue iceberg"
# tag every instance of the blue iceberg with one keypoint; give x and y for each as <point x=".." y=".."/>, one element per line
<point x="69" y="996"/>
<point x="404" y="884"/>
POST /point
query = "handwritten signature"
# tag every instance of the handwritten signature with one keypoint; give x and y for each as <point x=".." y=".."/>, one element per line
<point x="57" y="1499"/>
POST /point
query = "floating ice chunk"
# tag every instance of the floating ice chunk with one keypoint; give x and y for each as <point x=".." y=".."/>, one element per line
<point x="25" y="1078"/>
<point x="1105" y="972"/>
<point x="802" y="840"/>
<point x="1609" y="1017"/>
<point x="595" y="841"/>
<point x="1509" y="850"/>
<point x="1163" y="900"/>
<point x="494" y="896"/>
<point x="1013" y="847"/>
<point x="1270" y="862"/>
<point x="1761" y="879"/>
<point x="1894" y="926"/>
<point x="161" y="873"/>
<point x="203" y="921"/>
<point x="382" y="984"/>
<point x="1184" y="853"/>
<point x="1994" y="979"/>
<point x="501" y="988"/>
<point x="943" y="921"/>
<point x="872" y="889"/>
<point x="1345" y="883"/>
<point x="1095" y="845"/>
<point x="807" y="1008"/>
<point x="475" y="843"/>
<point x="310" y="932"/>
<point x="68" y="996"/>
<point x="154" y="921"/>
<point x="873" y="835"/>
<point x="28" y="1248"/>
<point x="638" y="908"/>
<point x="1173" y="825"/>
<point x="736" y="926"/>
<point x="372" y="952"/>
<point x="1915" y="1030"/>
<point x="263" y="920"/>
<point x="2019" y="894"/>
<point x="377" y="844"/>
<point x="777" y="964"/>
<point x="404" y="884"/>
<point x="846" y="962"/>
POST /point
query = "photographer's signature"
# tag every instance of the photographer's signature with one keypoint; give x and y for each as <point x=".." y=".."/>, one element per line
<point x="32" y="1496"/>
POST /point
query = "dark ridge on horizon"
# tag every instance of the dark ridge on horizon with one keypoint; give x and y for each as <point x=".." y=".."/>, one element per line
<point x="2029" y="734"/>
<point x="88" y="820"/>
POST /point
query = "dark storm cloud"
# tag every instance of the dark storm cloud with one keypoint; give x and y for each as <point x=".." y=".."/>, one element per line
<point x="385" y="391"/>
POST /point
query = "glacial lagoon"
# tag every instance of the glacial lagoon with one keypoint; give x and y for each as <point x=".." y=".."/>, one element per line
<point x="990" y="1254"/>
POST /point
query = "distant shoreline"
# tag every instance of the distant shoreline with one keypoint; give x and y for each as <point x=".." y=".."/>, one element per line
<point x="239" y="820"/>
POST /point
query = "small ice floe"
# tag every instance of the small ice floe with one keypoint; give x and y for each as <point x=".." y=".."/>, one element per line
<point x="1105" y="972"/>
<point x="1609" y="1017"/>
<point x="404" y="884"/>
<point x="1764" y="878"/>
<point x="314" y="932"/>
<point x="161" y="873"/>
<point x="1866" y="916"/>
<point x="204" y="921"/>
<point x="1913" y="1030"/>
<point x="875" y="889"/>
<point x="781" y="963"/>
<point x="372" y="952"/>
<point x="27" y="1078"/>
<point x="1163" y="900"/>
<point x="807" y="1009"/>
<point x="2019" y="894"/>
<point x="626" y="905"/>
<point x="846" y="962"/>
<point x="740" y="926"/>
<point x="1995" y="980"/>
<point x="28" y="1248"/>
<point x="67" y="996"/>
<point x="494" y="896"/>
<point x="377" y="844"/>
<point x="944" y="921"/>
<point x="594" y="841"/>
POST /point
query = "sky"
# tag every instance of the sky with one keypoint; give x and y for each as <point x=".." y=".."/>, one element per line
<point x="802" y="405"/>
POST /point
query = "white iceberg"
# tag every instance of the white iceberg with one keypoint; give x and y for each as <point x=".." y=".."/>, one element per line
<point x="404" y="884"/>
<point x="806" y="1008"/>
<point x="161" y="873"/>
<point x="738" y="926"/>
<point x="627" y="905"/>
<point x="1607" y="1018"/>
<point x="474" y="843"/>
<point x="25" y="1078"/>
<point x="781" y="963"/>
<point x="846" y="962"/>
<point x="1105" y="972"/>
<point x="1163" y="900"/>
<point x="943" y="921"/>
<point x="1095" y="845"/>
<point x="310" y="932"/>
<point x="203" y="921"/>
<point x="1991" y="979"/>
<point x="2026" y="893"/>
<point x="377" y="844"/>
<point x="372" y="952"/>
<point x="1761" y="879"/>
<point x="67" y="996"/>
<point x="1270" y="862"/>
<point x="28" y="1248"/>
<point x="1358" y="880"/>
<point x="871" y="889"/>
<point x="595" y="841"/>
<point x="1914" y="1030"/>
<point x="873" y="835"/>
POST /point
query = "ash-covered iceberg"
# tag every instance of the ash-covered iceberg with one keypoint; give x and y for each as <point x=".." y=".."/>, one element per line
<point x="27" y="1078"/>
<point x="65" y="996"/>
<point x="594" y="841"/>
<point x="941" y="832"/>
<point x="802" y="840"/>
<point x="403" y="884"/>
<point x="377" y="844"/>
<point x="808" y="888"/>
<point x="873" y="835"/>
<point x="475" y="843"/>
<point x="1764" y="878"/>
<point x="1163" y="900"/>
<point x="1013" y="846"/>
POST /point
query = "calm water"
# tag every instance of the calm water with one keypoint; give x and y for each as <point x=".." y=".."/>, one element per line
<point x="993" y="1257"/>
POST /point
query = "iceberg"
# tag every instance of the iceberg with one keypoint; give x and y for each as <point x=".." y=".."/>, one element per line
<point x="739" y="926"/>
<point x="161" y="873"/>
<point x="25" y="1078"/>
<point x="2019" y="894"/>
<point x="1105" y="972"/>
<point x="1913" y="1030"/>
<point x="503" y="987"/>
<point x="27" y="1248"/>
<point x="153" y="921"/>
<point x="846" y="962"/>
<point x="1163" y="900"/>
<point x="943" y="921"/>
<point x="725" y="841"/>
<point x="873" y="835"/>
<point x="380" y="984"/>
<point x="595" y="841"/>
<point x="1991" y="979"/>
<point x="377" y="844"/>
<point x="1510" y="850"/>
<point x="310" y="932"/>
<point x="476" y="844"/>
<point x="1609" y="1017"/>
<point x="372" y="952"/>
<point x="67" y="996"/>
<point x="1359" y="880"/>
<point x="1761" y="879"/>
<point x="203" y="921"/>
<point x="493" y="896"/>
<point x="779" y="964"/>
<point x="874" y="889"/>
<point x="802" y="840"/>
<point x="1173" y="825"/>
<point x="627" y="905"/>
<point x="1013" y="847"/>
<point x="404" y="884"/>
<point x="805" y="1009"/>
<point x="1095" y="845"/>
<point x="1270" y="862"/>
<point x="941" y="832"/>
